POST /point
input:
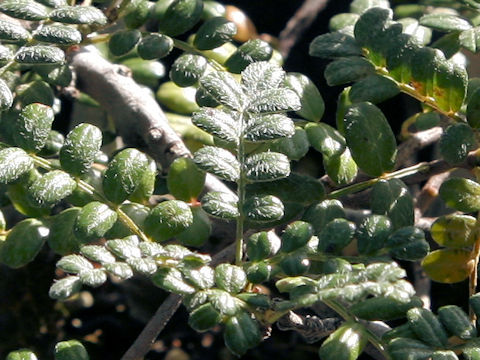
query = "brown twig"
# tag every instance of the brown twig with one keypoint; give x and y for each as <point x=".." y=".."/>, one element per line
<point x="429" y="193"/>
<point x="416" y="142"/>
<point x="298" y="23"/>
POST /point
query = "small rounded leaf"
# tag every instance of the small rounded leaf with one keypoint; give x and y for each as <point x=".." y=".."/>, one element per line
<point x="230" y="278"/>
<point x="296" y="235"/>
<point x="168" y="219"/>
<point x="14" y="162"/>
<point x="80" y="148"/>
<point x="454" y="319"/>
<point x="86" y="15"/>
<point x="448" y="265"/>
<point x="33" y="127"/>
<point x="312" y="104"/>
<point x="23" y="243"/>
<point x="180" y="16"/>
<point x="295" y="265"/>
<point x="221" y="205"/>
<point x="24" y="9"/>
<point x="461" y="194"/>
<point x="455" y="231"/>
<point x="241" y="333"/>
<point x="408" y="243"/>
<point x="22" y="354"/>
<point x="214" y="32"/>
<point x="427" y="327"/>
<point x="204" y="318"/>
<point x="263" y="208"/>
<point x="64" y="288"/>
<point x="219" y="162"/>
<point x="70" y="350"/>
<point x="249" y="52"/>
<point x="13" y="33"/>
<point x="263" y="245"/>
<point x="199" y="232"/>
<point x="123" y="41"/>
<point x="372" y="233"/>
<point x="62" y="239"/>
<point x="40" y="55"/>
<point x="58" y="34"/>
<point x="188" y="69"/>
<point x="93" y="221"/>
<point x="456" y="142"/>
<point x="267" y="166"/>
<point x="51" y="188"/>
<point x="154" y="46"/>
<point x="346" y="343"/>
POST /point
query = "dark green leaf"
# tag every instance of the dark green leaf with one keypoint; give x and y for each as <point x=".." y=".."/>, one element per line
<point x="269" y="127"/>
<point x="51" y="188"/>
<point x="337" y="234"/>
<point x="124" y="174"/>
<point x="249" y="52"/>
<point x="214" y="32"/>
<point x="61" y="238"/>
<point x="450" y="83"/>
<point x="267" y="166"/>
<point x="380" y="308"/>
<point x="360" y="6"/>
<point x="262" y="245"/>
<point x="333" y="45"/>
<point x="6" y="97"/>
<point x="39" y="54"/>
<point x="93" y="221"/>
<point x="320" y="214"/>
<point x="23" y="243"/>
<point x="230" y="278"/>
<point x="74" y="264"/>
<point x="123" y="41"/>
<point x="33" y="126"/>
<point x="262" y="75"/>
<point x="204" y="318"/>
<point x="97" y="253"/>
<point x="199" y="232"/>
<point x="407" y="243"/>
<point x="263" y="208"/>
<point x="461" y="194"/>
<point x="295" y="147"/>
<point x="445" y="22"/>
<point x="392" y="198"/>
<point x="342" y="20"/>
<point x="470" y="39"/>
<point x="372" y="233"/>
<point x="312" y="105"/>
<point x="14" y="162"/>
<point x="80" y="148"/>
<point x="24" y="9"/>
<point x="427" y="327"/>
<point x="347" y="70"/>
<point x="296" y="235"/>
<point x="221" y="205"/>
<point x="70" y="350"/>
<point x="457" y="322"/>
<point x="325" y="139"/>
<point x="125" y="249"/>
<point x="180" y="16"/>
<point x="188" y="69"/>
<point x="473" y="109"/>
<point x="154" y="46"/>
<point x="168" y="219"/>
<point x="370" y="139"/>
<point x="403" y="348"/>
<point x="119" y="269"/>
<point x="258" y="272"/>
<point x="341" y="168"/>
<point x="58" y="34"/>
<point x="374" y="88"/>
<point x="218" y="161"/>
<point x="64" y="288"/>
<point x="86" y="15"/>
<point x="241" y="333"/>
<point x="60" y="75"/>
<point x="223" y="88"/>
<point x="37" y="91"/>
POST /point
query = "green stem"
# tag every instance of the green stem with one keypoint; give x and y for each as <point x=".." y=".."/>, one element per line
<point x="6" y="67"/>
<point x="366" y="184"/>
<point x="241" y="185"/>
<point x="182" y="45"/>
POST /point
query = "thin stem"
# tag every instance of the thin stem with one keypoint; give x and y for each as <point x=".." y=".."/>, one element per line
<point x="366" y="184"/>
<point x="241" y="184"/>
<point x="182" y="45"/>
<point x="6" y="67"/>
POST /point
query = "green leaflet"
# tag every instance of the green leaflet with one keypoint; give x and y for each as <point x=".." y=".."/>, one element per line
<point x="456" y="321"/>
<point x="372" y="233"/>
<point x="218" y="161"/>
<point x="168" y="219"/>
<point x="10" y="32"/>
<point x="24" y="9"/>
<point x="123" y="41"/>
<point x="58" y="34"/>
<point x="374" y="88"/>
<point x="427" y="327"/>
<point x="187" y="69"/>
<point x="456" y="142"/>
<point x="325" y="139"/>
<point x="185" y="181"/>
<point x="230" y="278"/>
<point x="241" y="333"/>
<point x="59" y="75"/>
<point x="470" y="39"/>
<point x="321" y="213"/>
<point x="214" y="32"/>
<point x="383" y="308"/>
<point x="360" y="6"/>
<point x="137" y="13"/>
<point x="296" y="235"/>
<point x="262" y="245"/>
<point x="267" y="166"/>
<point x="51" y="188"/>
<point x="333" y="45"/>
<point x="336" y="235"/>
<point x="64" y="288"/>
<point x="199" y="232"/>
<point x="448" y="265"/>
<point x="341" y="168"/>
<point x="401" y="348"/>
<point x="124" y="174"/>
<point x="346" y="343"/>
<point x="217" y="122"/>
<point x="262" y="75"/>
<point x="86" y="15"/>
<point x="263" y="208"/>
<point x="70" y="350"/>
<point x="14" y="162"/>
<point x="125" y="249"/>
<point x="407" y="243"/>
<point x="172" y="280"/>
<point x="392" y="198"/>
<point x="269" y="127"/>
<point x="62" y="239"/>
<point x="223" y="87"/>
<point x="74" y="264"/>
<point x="473" y="109"/>
<point x="6" y="97"/>
<point x="80" y="148"/>
<point x="347" y="70"/>
<point x="275" y="101"/>
<point x="93" y="221"/>
<point x="39" y="54"/>
<point x="180" y="16"/>
<point x="342" y="20"/>
<point x="37" y="91"/>
<point x="23" y="243"/>
<point x="461" y="194"/>
<point x="248" y="53"/>
<point x="455" y="231"/>
<point x="204" y="318"/>
<point x="154" y="46"/>
<point x="295" y="147"/>
<point x="370" y="139"/>
<point x="221" y="205"/>
<point x="312" y="104"/>
<point x="445" y="22"/>
<point x="33" y="126"/>
<point x="22" y="354"/>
